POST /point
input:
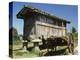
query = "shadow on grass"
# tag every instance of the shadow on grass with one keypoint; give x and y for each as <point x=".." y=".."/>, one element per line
<point x="54" y="53"/>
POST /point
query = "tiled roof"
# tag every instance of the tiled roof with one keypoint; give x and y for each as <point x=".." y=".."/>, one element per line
<point x="25" y="8"/>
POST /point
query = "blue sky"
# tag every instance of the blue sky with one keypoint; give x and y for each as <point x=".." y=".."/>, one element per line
<point x="68" y="12"/>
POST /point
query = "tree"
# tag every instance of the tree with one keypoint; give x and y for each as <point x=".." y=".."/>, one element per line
<point x="74" y="33"/>
<point x="13" y="34"/>
<point x="73" y="30"/>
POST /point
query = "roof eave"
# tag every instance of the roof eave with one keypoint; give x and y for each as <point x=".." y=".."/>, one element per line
<point x="19" y="15"/>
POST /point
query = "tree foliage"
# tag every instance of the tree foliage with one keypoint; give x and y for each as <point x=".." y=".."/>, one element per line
<point x="13" y="34"/>
<point x="74" y="30"/>
<point x="74" y="33"/>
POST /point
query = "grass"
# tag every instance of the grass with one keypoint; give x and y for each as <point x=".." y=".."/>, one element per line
<point x="22" y="54"/>
<point x="19" y="53"/>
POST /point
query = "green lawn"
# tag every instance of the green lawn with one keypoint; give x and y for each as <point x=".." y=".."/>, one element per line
<point x="18" y="52"/>
<point x="21" y="54"/>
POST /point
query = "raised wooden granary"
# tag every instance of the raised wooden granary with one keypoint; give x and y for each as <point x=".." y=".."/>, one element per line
<point x="38" y="23"/>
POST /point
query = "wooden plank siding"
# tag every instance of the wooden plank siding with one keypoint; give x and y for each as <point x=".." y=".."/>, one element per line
<point x="49" y="31"/>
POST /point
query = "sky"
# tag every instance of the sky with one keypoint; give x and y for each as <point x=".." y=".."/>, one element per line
<point x="67" y="12"/>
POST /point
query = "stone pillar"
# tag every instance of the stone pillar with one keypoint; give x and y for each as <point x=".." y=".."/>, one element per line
<point x="36" y="49"/>
<point x="25" y="45"/>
